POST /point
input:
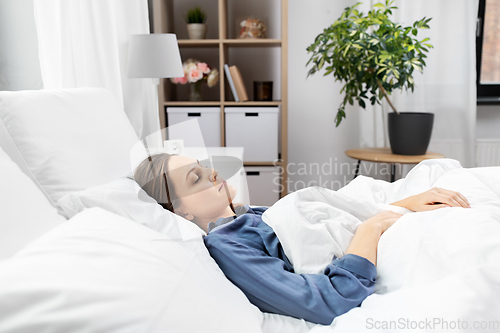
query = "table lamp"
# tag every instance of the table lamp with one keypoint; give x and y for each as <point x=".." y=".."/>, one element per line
<point x="154" y="56"/>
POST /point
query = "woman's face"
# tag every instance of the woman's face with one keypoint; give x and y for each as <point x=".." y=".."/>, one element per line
<point x="200" y="191"/>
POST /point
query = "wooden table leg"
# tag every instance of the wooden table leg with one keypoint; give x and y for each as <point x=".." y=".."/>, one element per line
<point x="393" y="172"/>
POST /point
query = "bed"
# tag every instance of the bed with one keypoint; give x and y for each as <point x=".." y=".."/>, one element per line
<point x="82" y="250"/>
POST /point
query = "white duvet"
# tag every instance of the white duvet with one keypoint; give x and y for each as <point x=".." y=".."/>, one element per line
<point x="437" y="270"/>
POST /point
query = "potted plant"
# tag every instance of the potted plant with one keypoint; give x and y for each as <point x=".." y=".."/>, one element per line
<point x="195" y="73"/>
<point x="372" y="56"/>
<point x="195" y="19"/>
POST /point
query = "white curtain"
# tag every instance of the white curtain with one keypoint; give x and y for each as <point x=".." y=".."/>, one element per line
<point x="447" y="87"/>
<point x="84" y="43"/>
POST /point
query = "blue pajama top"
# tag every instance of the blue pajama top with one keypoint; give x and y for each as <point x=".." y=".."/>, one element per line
<point x="251" y="256"/>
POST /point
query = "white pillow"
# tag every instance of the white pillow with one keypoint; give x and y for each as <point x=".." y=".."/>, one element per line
<point x="121" y="196"/>
<point x="25" y="212"/>
<point x="99" y="272"/>
<point x="70" y="139"/>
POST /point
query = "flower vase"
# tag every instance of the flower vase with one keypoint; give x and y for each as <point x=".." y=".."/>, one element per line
<point x="195" y="95"/>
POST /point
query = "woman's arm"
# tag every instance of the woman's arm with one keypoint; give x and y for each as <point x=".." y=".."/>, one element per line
<point x="365" y="240"/>
<point x="270" y="285"/>
<point x="433" y="199"/>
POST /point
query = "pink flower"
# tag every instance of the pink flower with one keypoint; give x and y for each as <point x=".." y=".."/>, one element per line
<point x="179" y="80"/>
<point x="203" y="67"/>
<point x="194" y="75"/>
<point x="213" y="78"/>
<point x="196" y="71"/>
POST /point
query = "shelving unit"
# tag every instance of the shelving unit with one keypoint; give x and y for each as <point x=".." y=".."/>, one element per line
<point x="222" y="47"/>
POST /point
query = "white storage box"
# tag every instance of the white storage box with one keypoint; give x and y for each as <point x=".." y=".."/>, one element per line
<point x="208" y="119"/>
<point x="263" y="185"/>
<point x="255" y="129"/>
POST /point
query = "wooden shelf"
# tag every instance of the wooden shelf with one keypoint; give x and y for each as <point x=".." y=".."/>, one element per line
<point x="262" y="53"/>
<point x="229" y="42"/>
<point x="252" y="103"/>
<point x="188" y="103"/>
<point x="252" y="42"/>
<point x="217" y="103"/>
<point x="199" y="42"/>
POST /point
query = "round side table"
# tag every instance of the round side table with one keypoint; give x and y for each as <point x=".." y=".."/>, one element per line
<point x="384" y="155"/>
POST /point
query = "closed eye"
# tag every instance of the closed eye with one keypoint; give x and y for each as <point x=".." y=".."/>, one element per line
<point x="197" y="179"/>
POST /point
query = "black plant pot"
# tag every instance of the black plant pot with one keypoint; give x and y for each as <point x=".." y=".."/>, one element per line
<point x="410" y="132"/>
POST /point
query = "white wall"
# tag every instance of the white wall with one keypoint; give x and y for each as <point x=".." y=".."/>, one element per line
<point x="19" y="65"/>
<point x="488" y="122"/>
<point x="312" y="105"/>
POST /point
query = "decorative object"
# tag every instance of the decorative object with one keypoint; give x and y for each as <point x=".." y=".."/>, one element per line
<point x="195" y="19"/>
<point x="263" y="90"/>
<point x="195" y="72"/>
<point x="369" y="54"/>
<point x="252" y="28"/>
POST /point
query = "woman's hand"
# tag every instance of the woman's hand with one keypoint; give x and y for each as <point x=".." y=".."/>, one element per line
<point x="434" y="198"/>
<point x="365" y="240"/>
<point x="382" y="221"/>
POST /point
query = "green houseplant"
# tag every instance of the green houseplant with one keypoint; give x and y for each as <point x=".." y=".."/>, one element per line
<point x="370" y="54"/>
<point x="195" y="19"/>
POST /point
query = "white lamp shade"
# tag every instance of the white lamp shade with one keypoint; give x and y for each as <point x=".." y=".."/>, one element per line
<point x="154" y="56"/>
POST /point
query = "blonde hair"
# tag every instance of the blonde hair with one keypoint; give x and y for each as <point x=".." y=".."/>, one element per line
<point x="151" y="175"/>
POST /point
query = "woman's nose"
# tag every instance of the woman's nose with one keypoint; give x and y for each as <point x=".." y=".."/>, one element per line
<point x="213" y="175"/>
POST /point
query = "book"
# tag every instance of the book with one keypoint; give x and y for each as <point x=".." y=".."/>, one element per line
<point x="238" y="83"/>
<point x="231" y="83"/>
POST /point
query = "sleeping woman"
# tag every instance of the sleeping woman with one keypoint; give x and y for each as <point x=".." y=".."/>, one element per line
<point x="249" y="253"/>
